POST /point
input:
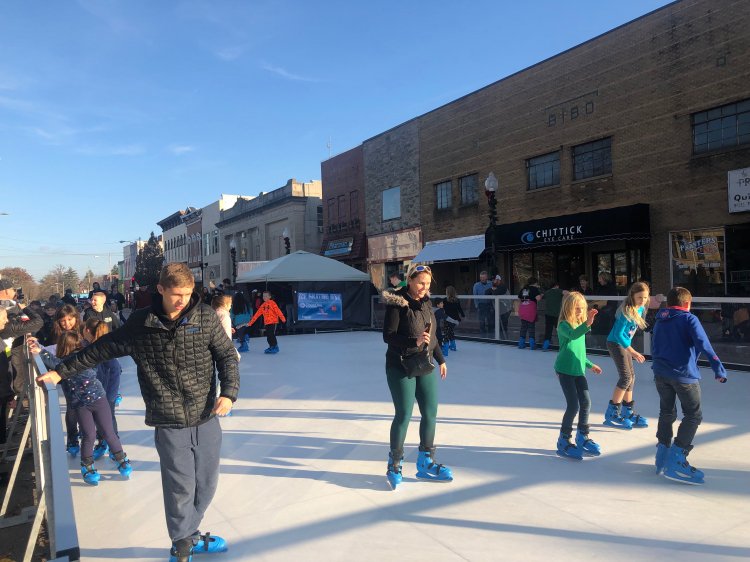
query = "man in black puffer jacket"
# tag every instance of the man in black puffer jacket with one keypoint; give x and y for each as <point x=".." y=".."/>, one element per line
<point x="175" y="343"/>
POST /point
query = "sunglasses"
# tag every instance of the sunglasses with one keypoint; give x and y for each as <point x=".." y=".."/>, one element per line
<point x="420" y="269"/>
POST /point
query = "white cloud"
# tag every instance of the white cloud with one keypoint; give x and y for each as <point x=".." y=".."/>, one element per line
<point x="286" y="74"/>
<point x="180" y="149"/>
<point x="230" y="53"/>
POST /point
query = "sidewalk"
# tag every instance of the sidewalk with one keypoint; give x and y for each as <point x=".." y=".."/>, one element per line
<point x="303" y="475"/>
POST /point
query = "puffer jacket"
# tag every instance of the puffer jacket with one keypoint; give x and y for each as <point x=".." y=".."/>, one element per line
<point x="405" y="320"/>
<point x="175" y="362"/>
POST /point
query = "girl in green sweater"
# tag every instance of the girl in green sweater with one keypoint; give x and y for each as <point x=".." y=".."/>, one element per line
<point x="571" y="364"/>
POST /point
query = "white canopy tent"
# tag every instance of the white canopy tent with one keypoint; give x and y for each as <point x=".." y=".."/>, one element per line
<point x="302" y="266"/>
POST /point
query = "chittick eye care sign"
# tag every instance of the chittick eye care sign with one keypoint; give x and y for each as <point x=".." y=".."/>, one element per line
<point x="319" y="306"/>
<point x="738" y="187"/>
<point x="621" y="223"/>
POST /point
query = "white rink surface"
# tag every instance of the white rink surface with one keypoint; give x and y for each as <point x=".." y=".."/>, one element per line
<point x="304" y="455"/>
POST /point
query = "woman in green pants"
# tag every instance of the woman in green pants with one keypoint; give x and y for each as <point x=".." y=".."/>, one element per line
<point x="409" y="328"/>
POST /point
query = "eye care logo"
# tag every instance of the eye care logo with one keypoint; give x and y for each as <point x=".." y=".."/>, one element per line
<point x="556" y="234"/>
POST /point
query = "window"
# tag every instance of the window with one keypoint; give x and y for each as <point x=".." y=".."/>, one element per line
<point x="392" y="203"/>
<point x="320" y="216"/>
<point x="721" y="127"/>
<point x="206" y="246"/>
<point x="468" y="187"/>
<point x="444" y="194"/>
<point x="216" y="242"/>
<point x="592" y="159"/>
<point x="354" y="204"/>
<point x="342" y="208"/>
<point x="543" y="171"/>
<point x="331" y="210"/>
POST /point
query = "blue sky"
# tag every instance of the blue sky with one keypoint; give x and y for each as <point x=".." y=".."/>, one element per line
<point x="115" y="114"/>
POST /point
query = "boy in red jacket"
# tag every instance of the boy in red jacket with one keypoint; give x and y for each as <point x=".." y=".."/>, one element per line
<point x="271" y="315"/>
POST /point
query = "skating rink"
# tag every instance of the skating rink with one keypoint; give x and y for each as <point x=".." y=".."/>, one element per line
<point x="304" y="460"/>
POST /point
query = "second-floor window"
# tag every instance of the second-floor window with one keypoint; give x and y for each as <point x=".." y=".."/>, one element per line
<point x="468" y="187"/>
<point x="342" y="208"/>
<point x="354" y="204"/>
<point x="721" y="127"/>
<point x="543" y="171"/>
<point x="392" y="203"/>
<point x="444" y="195"/>
<point x="331" y="210"/>
<point x="592" y="159"/>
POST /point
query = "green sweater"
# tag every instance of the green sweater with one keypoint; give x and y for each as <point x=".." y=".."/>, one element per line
<point x="571" y="359"/>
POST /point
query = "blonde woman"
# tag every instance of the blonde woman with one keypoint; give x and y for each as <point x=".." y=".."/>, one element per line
<point x="628" y="319"/>
<point x="571" y="364"/>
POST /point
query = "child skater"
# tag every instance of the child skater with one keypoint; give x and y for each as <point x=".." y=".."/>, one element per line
<point x="89" y="401"/>
<point x="630" y="316"/>
<point x="108" y="374"/>
<point x="570" y="366"/>
<point x="271" y="315"/>
<point x="222" y="304"/>
<point x="678" y="340"/>
<point x="440" y="320"/>
<point x="529" y="296"/>
<point x="453" y="315"/>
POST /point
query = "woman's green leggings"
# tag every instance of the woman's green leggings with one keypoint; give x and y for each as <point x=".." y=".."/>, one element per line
<point x="403" y="392"/>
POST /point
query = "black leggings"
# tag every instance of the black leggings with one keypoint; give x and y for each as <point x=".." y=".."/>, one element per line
<point x="271" y="335"/>
<point x="92" y="417"/>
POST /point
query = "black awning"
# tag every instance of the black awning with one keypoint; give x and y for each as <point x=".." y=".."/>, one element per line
<point x="621" y="223"/>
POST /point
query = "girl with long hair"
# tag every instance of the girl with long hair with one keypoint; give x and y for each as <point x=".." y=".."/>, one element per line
<point x="574" y="323"/>
<point x="629" y="318"/>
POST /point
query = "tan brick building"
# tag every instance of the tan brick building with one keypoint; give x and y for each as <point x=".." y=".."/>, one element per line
<point x="655" y="113"/>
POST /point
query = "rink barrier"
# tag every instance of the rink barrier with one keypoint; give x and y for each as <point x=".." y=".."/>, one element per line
<point x="43" y="431"/>
<point x="734" y="354"/>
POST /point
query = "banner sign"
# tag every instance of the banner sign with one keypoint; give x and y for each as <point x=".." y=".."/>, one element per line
<point x="319" y="306"/>
<point x="738" y="187"/>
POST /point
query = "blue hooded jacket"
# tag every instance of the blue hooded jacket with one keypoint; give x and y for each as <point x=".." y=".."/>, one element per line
<point x="678" y="340"/>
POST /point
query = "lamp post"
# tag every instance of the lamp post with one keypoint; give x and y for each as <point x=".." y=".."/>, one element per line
<point x="233" y="255"/>
<point x="490" y="190"/>
<point x="287" y="242"/>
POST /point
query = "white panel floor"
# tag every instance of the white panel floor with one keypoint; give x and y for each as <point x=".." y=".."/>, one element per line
<point x="302" y="476"/>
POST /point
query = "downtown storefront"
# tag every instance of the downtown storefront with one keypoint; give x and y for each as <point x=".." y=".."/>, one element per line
<point x="563" y="249"/>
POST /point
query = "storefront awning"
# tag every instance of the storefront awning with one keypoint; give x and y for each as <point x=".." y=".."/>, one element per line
<point x="621" y="223"/>
<point x="452" y="249"/>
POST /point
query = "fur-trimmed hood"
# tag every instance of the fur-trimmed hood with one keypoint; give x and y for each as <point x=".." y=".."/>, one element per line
<point x="400" y="297"/>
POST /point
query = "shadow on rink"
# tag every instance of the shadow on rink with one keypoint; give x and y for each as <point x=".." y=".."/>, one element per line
<point x="304" y="454"/>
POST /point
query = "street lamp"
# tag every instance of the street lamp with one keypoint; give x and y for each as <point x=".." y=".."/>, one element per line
<point x="490" y="190"/>
<point x="287" y="242"/>
<point x="233" y="254"/>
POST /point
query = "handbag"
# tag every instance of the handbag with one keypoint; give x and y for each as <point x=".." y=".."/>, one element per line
<point x="417" y="364"/>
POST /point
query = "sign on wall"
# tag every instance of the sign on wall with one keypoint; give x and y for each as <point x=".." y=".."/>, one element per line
<point x="738" y="188"/>
<point x="698" y="261"/>
<point x="319" y="306"/>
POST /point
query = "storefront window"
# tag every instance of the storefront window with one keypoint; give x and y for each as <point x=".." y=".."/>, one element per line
<point x="698" y="261"/>
<point x="522" y="268"/>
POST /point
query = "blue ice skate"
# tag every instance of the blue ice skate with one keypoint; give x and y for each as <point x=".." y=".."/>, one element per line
<point x="445" y="349"/>
<point x="118" y="400"/>
<point x="73" y="449"/>
<point x="452" y="345"/>
<point x="208" y="543"/>
<point x="613" y="418"/>
<point x="428" y="469"/>
<point x="90" y="474"/>
<point x="123" y="465"/>
<point x="567" y="450"/>
<point x="661" y="457"/>
<point x="521" y="343"/>
<point x="678" y="468"/>
<point x="100" y="450"/>
<point x="393" y="472"/>
<point x="274" y="349"/>
<point x="587" y="446"/>
<point x="181" y="551"/>
<point x="545" y="345"/>
<point x="635" y="419"/>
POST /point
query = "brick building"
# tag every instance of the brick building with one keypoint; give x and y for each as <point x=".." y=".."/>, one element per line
<point x="344" y="208"/>
<point x="613" y="156"/>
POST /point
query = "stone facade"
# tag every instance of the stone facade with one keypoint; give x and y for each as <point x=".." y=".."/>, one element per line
<point x="256" y="225"/>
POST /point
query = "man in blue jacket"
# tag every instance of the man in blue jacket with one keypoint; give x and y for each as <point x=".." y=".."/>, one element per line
<point x="678" y="340"/>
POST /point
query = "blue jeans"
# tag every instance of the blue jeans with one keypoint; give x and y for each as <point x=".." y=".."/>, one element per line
<point x="485" y="317"/>
<point x="576" y="391"/>
<point x="690" y="401"/>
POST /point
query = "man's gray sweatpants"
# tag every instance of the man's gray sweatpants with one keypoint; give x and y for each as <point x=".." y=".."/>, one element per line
<point x="189" y="459"/>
